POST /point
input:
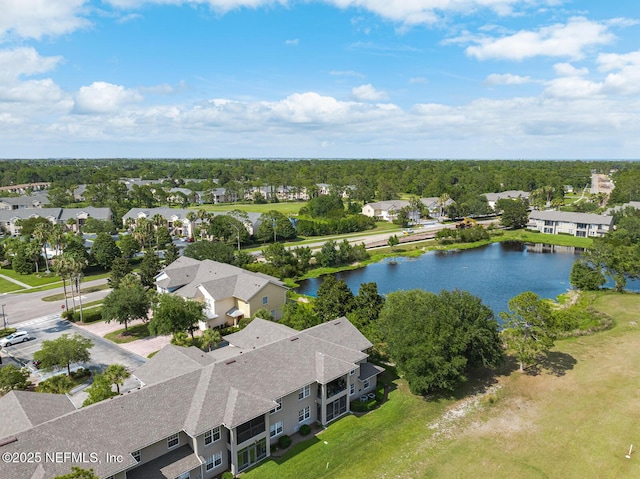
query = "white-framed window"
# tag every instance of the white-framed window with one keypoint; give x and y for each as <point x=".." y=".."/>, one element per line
<point x="212" y="436"/>
<point x="173" y="440"/>
<point x="184" y="475"/>
<point x="214" y="461"/>
<point x="352" y="388"/>
<point x="276" y="429"/>
<point x="304" y="392"/>
<point x="265" y="299"/>
<point x="352" y="372"/>
<point x="366" y="384"/>
<point x="278" y="407"/>
<point x="136" y="455"/>
<point x="304" y="414"/>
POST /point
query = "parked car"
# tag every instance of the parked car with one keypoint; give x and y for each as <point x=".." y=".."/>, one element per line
<point x="17" y="337"/>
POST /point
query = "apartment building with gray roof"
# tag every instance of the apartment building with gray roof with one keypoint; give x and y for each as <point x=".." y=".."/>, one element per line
<point x="199" y="414"/>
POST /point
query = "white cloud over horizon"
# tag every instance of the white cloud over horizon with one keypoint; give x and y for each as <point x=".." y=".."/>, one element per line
<point x="507" y="79"/>
<point x="368" y="93"/>
<point x="569" y="40"/>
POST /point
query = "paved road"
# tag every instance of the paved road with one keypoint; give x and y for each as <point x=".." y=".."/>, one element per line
<point x="25" y="306"/>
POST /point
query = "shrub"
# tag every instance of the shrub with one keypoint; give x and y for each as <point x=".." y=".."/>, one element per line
<point x="7" y="332"/>
<point x="364" y="406"/>
<point x="91" y="316"/>
<point x="304" y="429"/>
<point x="227" y="475"/>
<point x="284" y="441"/>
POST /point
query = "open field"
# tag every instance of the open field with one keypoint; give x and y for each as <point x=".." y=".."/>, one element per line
<point x="574" y="418"/>
<point x="291" y="208"/>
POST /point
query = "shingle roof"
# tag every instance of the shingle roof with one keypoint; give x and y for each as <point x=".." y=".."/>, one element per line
<point x="204" y="395"/>
<point x="220" y="280"/>
<point x="167" y="466"/>
<point x="588" y="218"/>
<point x="28" y="410"/>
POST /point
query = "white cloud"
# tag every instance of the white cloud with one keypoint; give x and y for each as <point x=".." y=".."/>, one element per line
<point x="568" y="70"/>
<point x="102" y="97"/>
<point x="24" y="61"/>
<point x="368" y="93"/>
<point x="418" y="80"/>
<point x="507" y="79"/>
<point x="38" y="18"/>
<point x="559" y="40"/>
<point x="625" y="76"/>
<point x="294" y="42"/>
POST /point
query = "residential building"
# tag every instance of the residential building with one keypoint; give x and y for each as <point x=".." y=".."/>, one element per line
<point x="23" y="188"/>
<point x="631" y="204"/>
<point x="492" y="198"/>
<point x="229" y="293"/>
<point x="388" y="210"/>
<point x="61" y="216"/>
<point x="35" y="200"/>
<point x="574" y="224"/>
<point x="197" y="414"/>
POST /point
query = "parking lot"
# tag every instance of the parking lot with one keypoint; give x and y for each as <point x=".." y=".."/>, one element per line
<point x="103" y="352"/>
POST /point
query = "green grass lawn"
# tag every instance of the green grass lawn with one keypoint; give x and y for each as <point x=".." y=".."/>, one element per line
<point x="134" y="333"/>
<point x="284" y="208"/>
<point x="574" y="418"/>
<point x="34" y="279"/>
<point x="7" y="286"/>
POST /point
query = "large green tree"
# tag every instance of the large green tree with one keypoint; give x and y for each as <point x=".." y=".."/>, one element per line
<point x="515" y="213"/>
<point x="79" y="473"/>
<point x="586" y="277"/>
<point x="174" y="314"/>
<point x="434" y="338"/>
<point x="12" y="377"/>
<point x="149" y="267"/>
<point x="126" y="303"/>
<point x="213" y="250"/>
<point x="62" y="352"/>
<point x="105" y="250"/>
<point x="528" y="327"/>
<point x="334" y="298"/>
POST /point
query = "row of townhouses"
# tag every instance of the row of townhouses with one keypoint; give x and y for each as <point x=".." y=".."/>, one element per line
<point x="197" y="414"/>
<point x="73" y="218"/>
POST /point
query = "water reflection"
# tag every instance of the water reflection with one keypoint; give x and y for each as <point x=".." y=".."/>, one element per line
<point x="495" y="272"/>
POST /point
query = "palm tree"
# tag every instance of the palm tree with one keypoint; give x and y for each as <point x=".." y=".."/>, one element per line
<point x="211" y="338"/>
<point x="76" y="265"/>
<point x="442" y="202"/>
<point x="57" y="237"/>
<point x="191" y="217"/>
<point x="41" y="235"/>
<point x="61" y="265"/>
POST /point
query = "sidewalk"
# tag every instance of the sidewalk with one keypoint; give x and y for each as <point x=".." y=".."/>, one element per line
<point x="15" y="281"/>
<point x="141" y="347"/>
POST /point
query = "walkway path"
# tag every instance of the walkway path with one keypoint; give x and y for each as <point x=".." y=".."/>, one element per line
<point x="142" y="347"/>
<point x="19" y="283"/>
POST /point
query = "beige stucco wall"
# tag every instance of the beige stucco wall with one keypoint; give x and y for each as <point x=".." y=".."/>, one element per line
<point x="276" y="298"/>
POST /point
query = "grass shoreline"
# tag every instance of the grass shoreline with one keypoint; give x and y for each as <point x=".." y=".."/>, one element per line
<point x="573" y="417"/>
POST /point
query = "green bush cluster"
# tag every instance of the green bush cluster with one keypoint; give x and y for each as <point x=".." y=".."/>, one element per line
<point x="305" y="429"/>
<point x="91" y="315"/>
<point x="7" y="332"/>
<point x="364" y="406"/>
<point x="284" y="441"/>
<point x="350" y="224"/>
<point x="227" y="475"/>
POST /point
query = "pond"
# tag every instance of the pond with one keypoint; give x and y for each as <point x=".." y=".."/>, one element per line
<point x="495" y="273"/>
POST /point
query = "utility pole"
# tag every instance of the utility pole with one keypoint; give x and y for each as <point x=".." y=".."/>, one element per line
<point x="4" y="318"/>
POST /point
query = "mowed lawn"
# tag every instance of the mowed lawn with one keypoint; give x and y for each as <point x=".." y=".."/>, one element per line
<point x="576" y="418"/>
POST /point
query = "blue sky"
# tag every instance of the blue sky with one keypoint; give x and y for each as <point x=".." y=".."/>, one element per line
<point x="320" y="78"/>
